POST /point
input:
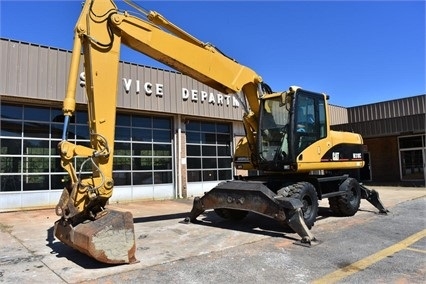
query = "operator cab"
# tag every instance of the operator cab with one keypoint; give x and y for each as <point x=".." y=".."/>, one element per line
<point x="289" y="123"/>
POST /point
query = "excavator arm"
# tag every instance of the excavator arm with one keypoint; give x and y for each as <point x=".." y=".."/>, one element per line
<point x="99" y="33"/>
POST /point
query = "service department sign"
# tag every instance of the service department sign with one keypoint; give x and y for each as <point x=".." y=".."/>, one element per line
<point x="136" y="87"/>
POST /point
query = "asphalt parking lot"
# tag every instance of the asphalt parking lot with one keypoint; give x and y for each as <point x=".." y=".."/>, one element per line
<point x="366" y="248"/>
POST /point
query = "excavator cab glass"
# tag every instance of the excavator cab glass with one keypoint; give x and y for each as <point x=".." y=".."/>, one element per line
<point x="288" y="126"/>
<point x="274" y="127"/>
<point x="309" y="120"/>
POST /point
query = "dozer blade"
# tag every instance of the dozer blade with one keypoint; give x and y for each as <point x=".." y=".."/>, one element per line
<point x="109" y="238"/>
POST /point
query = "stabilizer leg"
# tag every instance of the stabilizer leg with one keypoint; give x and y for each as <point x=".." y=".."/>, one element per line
<point x="295" y="221"/>
<point x="372" y="196"/>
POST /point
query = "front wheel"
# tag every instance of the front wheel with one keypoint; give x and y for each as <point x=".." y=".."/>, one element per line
<point x="348" y="204"/>
<point x="307" y="194"/>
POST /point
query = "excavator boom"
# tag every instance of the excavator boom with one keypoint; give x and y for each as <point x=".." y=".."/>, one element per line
<point x="99" y="33"/>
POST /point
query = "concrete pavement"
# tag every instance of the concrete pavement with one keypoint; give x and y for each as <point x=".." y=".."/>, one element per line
<point x="30" y="253"/>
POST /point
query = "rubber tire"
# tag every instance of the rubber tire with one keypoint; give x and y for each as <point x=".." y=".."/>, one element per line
<point x="305" y="192"/>
<point x="348" y="204"/>
<point x="231" y="214"/>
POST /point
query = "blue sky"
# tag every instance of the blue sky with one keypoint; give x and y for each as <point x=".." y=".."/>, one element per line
<point x="358" y="52"/>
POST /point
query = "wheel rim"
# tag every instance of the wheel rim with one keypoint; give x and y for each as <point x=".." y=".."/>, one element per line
<point x="307" y="206"/>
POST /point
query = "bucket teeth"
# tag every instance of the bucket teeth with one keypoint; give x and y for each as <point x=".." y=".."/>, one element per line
<point x="109" y="238"/>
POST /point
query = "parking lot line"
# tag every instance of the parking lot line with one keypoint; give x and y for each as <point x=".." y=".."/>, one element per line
<point x="370" y="260"/>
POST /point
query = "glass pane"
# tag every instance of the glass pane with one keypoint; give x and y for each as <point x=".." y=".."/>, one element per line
<point x="142" y="149"/>
<point x="10" y="112"/>
<point x="36" y="165"/>
<point x="122" y="178"/>
<point x="57" y="181"/>
<point x="209" y="150"/>
<point x="193" y="137"/>
<point x="82" y="117"/>
<point x="412" y="165"/>
<point x="11" y="128"/>
<point x="142" y="163"/>
<point x="36" y="113"/>
<point x="122" y="149"/>
<point x="122" y="163"/>
<point x="36" y="182"/>
<point x="224" y="163"/>
<point x="162" y="163"/>
<point x="10" y="183"/>
<point x="122" y="120"/>
<point x="55" y="165"/>
<point x="10" y="164"/>
<point x="194" y="176"/>
<point x="56" y="115"/>
<point x="54" y="150"/>
<point x="142" y="178"/>
<point x="193" y="150"/>
<point x="162" y="150"/>
<point x="208" y="138"/>
<point x="223" y="128"/>
<point x="225" y="174"/>
<point x="140" y="121"/>
<point x="142" y="134"/>
<point x="209" y="175"/>
<point x="161" y="135"/>
<point x="10" y="146"/>
<point x="32" y="129"/>
<point x="193" y="125"/>
<point x="122" y="133"/>
<point x="82" y="132"/>
<point x="223" y="151"/>
<point x="209" y="163"/>
<point x="56" y="130"/>
<point x="208" y="127"/>
<point x="194" y="163"/>
<point x="223" y="139"/>
<point x="410" y="142"/>
<point x="36" y="147"/>
<point x="162" y="177"/>
<point x="163" y="123"/>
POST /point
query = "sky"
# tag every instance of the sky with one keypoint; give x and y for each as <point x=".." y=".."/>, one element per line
<point x="357" y="52"/>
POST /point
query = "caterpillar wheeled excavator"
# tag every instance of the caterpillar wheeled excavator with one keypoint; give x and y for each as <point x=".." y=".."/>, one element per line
<point x="288" y="142"/>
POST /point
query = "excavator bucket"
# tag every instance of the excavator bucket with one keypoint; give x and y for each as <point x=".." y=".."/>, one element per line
<point x="109" y="238"/>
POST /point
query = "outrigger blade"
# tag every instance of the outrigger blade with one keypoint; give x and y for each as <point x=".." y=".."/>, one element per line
<point x="254" y="197"/>
<point x="372" y="196"/>
<point x="110" y="238"/>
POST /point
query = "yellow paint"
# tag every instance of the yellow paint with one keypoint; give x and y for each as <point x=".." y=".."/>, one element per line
<point x="369" y="260"/>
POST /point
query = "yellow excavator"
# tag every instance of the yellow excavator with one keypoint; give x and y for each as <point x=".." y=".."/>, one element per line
<point x="298" y="160"/>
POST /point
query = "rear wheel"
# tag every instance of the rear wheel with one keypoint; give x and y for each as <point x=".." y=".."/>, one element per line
<point x="232" y="214"/>
<point x="305" y="192"/>
<point x="348" y="204"/>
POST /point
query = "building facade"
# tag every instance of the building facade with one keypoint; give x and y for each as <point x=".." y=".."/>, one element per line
<point x="394" y="135"/>
<point x="174" y="136"/>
